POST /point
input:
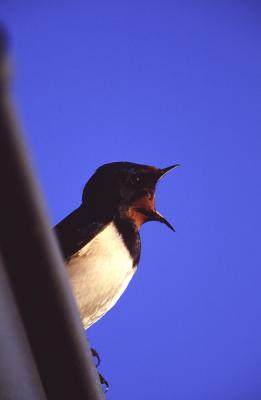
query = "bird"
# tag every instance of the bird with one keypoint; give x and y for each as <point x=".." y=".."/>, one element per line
<point x="100" y="240"/>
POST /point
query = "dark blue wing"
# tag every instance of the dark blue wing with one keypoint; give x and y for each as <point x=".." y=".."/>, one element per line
<point x="74" y="231"/>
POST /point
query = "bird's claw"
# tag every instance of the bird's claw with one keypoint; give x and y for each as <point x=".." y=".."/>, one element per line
<point x="104" y="382"/>
<point x="96" y="355"/>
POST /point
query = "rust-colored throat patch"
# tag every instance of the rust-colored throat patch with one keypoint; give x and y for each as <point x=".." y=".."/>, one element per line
<point x="146" y="202"/>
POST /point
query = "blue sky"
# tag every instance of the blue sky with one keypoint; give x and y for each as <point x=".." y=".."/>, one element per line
<point x="158" y="82"/>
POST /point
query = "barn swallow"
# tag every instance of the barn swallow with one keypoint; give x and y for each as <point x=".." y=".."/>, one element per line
<point x="100" y="240"/>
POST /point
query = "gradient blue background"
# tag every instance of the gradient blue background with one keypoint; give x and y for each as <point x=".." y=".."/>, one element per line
<point x="159" y="82"/>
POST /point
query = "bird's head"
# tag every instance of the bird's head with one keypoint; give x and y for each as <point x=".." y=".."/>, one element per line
<point x="125" y="189"/>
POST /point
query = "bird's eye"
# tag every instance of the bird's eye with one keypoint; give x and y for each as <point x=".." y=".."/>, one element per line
<point x="136" y="180"/>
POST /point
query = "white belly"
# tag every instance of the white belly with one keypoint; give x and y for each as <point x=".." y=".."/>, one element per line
<point x="99" y="274"/>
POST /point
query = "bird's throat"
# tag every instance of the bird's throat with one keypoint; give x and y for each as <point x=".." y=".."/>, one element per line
<point x="146" y="202"/>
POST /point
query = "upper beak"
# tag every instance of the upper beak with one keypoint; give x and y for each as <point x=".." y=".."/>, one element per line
<point x="163" y="171"/>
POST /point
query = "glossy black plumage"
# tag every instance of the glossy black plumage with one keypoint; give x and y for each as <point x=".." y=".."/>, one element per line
<point x="105" y="198"/>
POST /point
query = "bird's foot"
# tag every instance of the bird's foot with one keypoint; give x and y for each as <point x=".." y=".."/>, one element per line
<point x="96" y="355"/>
<point x="104" y="383"/>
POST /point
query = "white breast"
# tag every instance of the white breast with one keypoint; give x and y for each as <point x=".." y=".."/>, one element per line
<point x="99" y="274"/>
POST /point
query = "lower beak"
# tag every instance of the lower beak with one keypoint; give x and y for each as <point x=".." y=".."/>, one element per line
<point x="160" y="218"/>
<point x="154" y="215"/>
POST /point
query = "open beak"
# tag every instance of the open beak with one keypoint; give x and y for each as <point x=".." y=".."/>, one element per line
<point x="148" y="210"/>
<point x="155" y="215"/>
